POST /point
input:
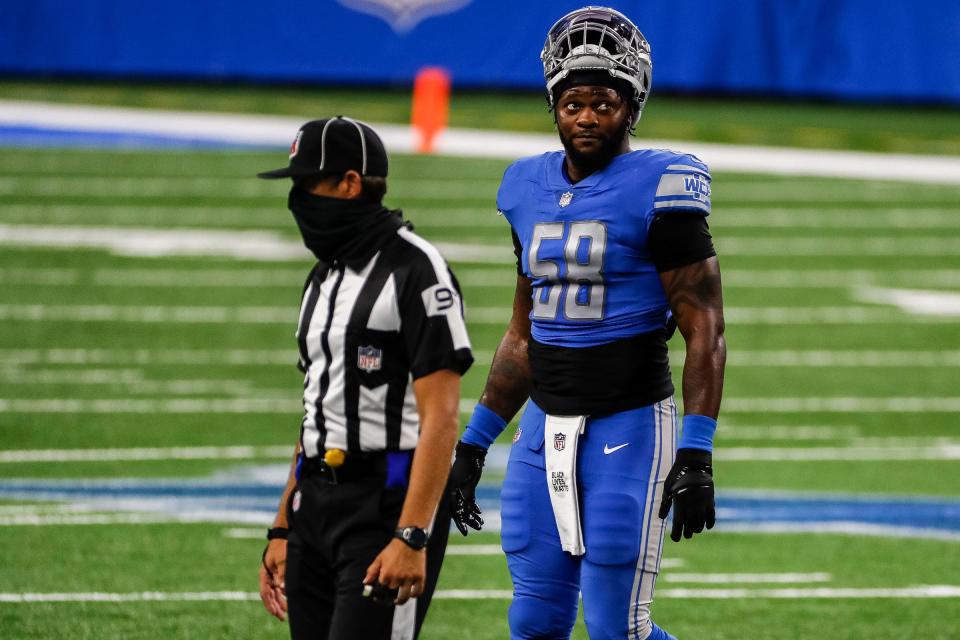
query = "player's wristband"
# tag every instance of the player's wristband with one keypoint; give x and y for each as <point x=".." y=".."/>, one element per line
<point x="278" y="532"/>
<point x="483" y="428"/>
<point x="697" y="433"/>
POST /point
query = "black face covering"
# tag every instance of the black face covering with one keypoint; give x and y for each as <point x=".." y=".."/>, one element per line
<point x="337" y="229"/>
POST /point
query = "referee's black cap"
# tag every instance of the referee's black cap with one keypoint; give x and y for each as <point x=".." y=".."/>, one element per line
<point x="334" y="146"/>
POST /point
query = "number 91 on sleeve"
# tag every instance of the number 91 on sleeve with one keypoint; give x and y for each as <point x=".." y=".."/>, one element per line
<point x="439" y="299"/>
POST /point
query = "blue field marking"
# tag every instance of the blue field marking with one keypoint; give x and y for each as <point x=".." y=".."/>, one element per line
<point x="243" y="493"/>
<point x="15" y="136"/>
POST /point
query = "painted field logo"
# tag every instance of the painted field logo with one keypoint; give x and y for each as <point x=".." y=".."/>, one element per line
<point x="369" y="358"/>
<point x="559" y="441"/>
<point x="696" y="185"/>
<point x="559" y="482"/>
<point x="404" y="15"/>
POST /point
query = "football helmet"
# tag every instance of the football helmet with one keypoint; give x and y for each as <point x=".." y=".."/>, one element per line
<point x="598" y="39"/>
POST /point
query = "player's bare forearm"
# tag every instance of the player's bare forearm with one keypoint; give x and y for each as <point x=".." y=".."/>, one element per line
<point x="508" y="383"/>
<point x="696" y="299"/>
<point x="280" y="521"/>
<point x="438" y="403"/>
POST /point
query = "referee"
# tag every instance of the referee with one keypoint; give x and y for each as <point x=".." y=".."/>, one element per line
<point x="382" y="345"/>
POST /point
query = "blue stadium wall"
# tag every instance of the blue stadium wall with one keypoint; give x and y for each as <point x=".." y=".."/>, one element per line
<point x="848" y="49"/>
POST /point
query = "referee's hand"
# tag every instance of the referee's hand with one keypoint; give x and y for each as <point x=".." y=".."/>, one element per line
<point x="399" y="567"/>
<point x="272" y="572"/>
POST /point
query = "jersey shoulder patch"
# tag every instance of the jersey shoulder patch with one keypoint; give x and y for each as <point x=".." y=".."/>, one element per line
<point x="684" y="184"/>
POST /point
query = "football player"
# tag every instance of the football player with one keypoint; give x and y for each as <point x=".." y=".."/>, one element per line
<point x="613" y="253"/>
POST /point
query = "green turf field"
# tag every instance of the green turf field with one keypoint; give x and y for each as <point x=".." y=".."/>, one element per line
<point x="102" y="350"/>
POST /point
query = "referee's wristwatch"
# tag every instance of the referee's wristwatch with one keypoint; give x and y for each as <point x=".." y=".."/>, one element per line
<point x="415" y="537"/>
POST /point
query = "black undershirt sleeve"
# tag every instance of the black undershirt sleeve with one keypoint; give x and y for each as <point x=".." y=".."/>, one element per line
<point x="679" y="239"/>
<point x="517" y="251"/>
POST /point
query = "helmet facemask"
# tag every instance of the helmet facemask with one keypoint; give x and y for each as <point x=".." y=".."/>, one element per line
<point x="598" y="39"/>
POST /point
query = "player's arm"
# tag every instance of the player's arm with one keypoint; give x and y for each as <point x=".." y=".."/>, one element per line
<point x="274" y="563"/>
<point x="399" y="566"/>
<point x="507" y="388"/>
<point x="508" y="383"/>
<point x="696" y="301"/>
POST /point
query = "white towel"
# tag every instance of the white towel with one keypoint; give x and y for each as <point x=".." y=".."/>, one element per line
<point x="561" y="435"/>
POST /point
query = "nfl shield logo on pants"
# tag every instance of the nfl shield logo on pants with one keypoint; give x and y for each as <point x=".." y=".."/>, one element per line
<point x="369" y="358"/>
<point x="559" y="441"/>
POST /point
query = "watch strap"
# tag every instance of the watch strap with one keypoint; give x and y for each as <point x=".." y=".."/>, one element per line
<point x="414" y="537"/>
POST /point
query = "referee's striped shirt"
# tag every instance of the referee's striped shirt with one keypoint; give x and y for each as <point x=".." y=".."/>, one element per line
<point x="365" y="335"/>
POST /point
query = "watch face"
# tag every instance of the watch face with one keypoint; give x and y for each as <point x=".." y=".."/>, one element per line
<point x="415" y="536"/>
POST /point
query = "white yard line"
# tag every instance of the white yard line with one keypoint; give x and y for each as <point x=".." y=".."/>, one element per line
<point x="924" y="592"/>
<point x="260" y="245"/>
<point x="133" y="382"/>
<point x="84" y="519"/>
<point x="845" y="404"/>
<point x="16" y="376"/>
<point x="224" y="357"/>
<point x="160" y="277"/>
<point x="145" y="596"/>
<point x="476" y="315"/>
<point x="823" y="218"/>
<point x="427" y="214"/>
<point x="265" y="245"/>
<point x="286" y="357"/>
<point x="745" y="578"/>
<point x="823" y="454"/>
<point x="913" y="592"/>
<point x="845" y="315"/>
<point x="146" y="453"/>
<point x="945" y="303"/>
<point x="859" y="449"/>
<point x="943" y="245"/>
<point x="291" y="405"/>
<point x="840" y="528"/>
<point x="250" y="277"/>
<point x="277" y="131"/>
<point x="787" y="432"/>
<point x="838" y="278"/>
<point x="845" y="358"/>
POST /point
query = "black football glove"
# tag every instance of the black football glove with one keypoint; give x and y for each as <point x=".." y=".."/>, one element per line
<point x="689" y="485"/>
<point x="464" y="476"/>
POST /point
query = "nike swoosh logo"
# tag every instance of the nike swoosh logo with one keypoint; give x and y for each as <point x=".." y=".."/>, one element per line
<point x="608" y="450"/>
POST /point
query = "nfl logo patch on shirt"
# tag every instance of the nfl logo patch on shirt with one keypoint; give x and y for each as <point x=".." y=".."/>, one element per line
<point x="369" y="358"/>
<point x="566" y="199"/>
<point x="559" y="441"/>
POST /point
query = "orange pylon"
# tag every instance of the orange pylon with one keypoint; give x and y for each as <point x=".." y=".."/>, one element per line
<point x="431" y="106"/>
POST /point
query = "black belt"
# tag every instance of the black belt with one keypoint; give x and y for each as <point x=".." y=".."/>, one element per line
<point x="356" y="466"/>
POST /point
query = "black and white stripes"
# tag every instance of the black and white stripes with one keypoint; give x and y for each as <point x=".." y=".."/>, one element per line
<point x="365" y="335"/>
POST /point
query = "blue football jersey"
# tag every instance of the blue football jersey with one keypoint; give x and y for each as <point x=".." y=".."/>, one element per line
<point x="585" y="244"/>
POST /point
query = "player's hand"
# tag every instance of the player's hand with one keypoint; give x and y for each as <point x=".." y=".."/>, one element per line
<point x="399" y="567"/>
<point x="689" y="486"/>
<point x="464" y="476"/>
<point x="272" y="571"/>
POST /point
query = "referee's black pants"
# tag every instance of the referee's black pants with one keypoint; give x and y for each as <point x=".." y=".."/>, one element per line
<point x="336" y="532"/>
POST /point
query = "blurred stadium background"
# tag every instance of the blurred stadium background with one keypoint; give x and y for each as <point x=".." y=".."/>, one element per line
<point x="148" y="292"/>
